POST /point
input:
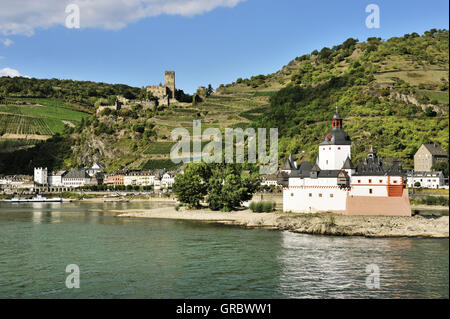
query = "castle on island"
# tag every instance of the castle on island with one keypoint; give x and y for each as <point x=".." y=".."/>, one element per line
<point x="335" y="184"/>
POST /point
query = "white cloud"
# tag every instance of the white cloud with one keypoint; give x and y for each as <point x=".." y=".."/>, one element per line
<point x="23" y="17"/>
<point x="10" y="72"/>
<point x="7" y="42"/>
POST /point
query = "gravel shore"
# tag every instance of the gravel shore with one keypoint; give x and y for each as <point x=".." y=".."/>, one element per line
<point x="319" y="223"/>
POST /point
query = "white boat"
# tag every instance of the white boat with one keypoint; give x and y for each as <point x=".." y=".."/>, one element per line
<point x="35" y="199"/>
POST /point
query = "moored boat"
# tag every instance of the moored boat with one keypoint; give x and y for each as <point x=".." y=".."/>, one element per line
<point x="35" y="199"/>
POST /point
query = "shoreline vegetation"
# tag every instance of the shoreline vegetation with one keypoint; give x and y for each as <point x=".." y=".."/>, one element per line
<point x="308" y="223"/>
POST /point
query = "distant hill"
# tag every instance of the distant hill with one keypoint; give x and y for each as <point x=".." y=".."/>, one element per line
<point x="392" y="94"/>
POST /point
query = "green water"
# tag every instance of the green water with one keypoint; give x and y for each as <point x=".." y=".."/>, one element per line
<point x="145" y="258"/>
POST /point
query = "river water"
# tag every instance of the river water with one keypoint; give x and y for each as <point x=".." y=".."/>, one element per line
<point x="151" y="258"/>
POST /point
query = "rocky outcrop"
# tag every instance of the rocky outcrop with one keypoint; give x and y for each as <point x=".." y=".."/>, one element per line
<point x="318" y="223"/>
<point x="411" y="99"/>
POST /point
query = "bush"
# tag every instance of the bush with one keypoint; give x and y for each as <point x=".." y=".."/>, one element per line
<point x="434" y="200"/>
<point x="262" y="206"/>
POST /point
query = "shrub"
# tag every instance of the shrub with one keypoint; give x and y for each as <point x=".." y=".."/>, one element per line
<point x="262" y="206"/>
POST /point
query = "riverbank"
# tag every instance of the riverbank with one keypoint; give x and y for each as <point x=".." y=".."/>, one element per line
<point x="320" y="223"/>
<point x="118" y="199"/>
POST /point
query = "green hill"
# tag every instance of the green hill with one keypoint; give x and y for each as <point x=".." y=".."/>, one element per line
<point x="392" y="94"/>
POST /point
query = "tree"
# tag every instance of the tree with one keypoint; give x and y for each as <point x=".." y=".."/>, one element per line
<point x="441" y="166"/>
<point x="209" y="90"/>
<point x="229" y="187"/>
<point x="430" y="112"/>
<point x="223" y="186"/>
<point x="191" y="186"/>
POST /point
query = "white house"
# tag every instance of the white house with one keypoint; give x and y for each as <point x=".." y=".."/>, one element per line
<point x="426" y="179"/>
<point x="96" y="168"/>
<point x="167" y="180"/>
<point x="40" y="175"/>
<point x="77" y="178"/>
<point x="139" y="178"/>
<point x="55" y="178"/>
<point x="334" y="184"/>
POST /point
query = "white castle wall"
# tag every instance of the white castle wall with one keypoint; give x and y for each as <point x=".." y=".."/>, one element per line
<point x="373" y="185"/>
<point x="333" y="156"/>
<point x="314" y="198"/>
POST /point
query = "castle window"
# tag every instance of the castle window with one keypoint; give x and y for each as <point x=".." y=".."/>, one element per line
<point x="310" y="194"/>
<point x="359" y="181"/>
<point x="331" y="195"/>
<point x="292" y="194"/>
<point x="370" y="181"/>
<point x="381" y="181"/>
<point x="329" y="148"/>
<point x="395" y="182"/>
<point x="320" y="195"/>
<point x="339" y="148"/>
<point x="370" y="190"/>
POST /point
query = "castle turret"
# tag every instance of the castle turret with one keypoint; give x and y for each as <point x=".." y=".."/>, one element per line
<point x="335" y="147"/>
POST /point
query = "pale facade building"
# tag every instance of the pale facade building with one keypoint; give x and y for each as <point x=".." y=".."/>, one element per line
<point x="427" y="155"/>
<point x="55" y="178"/>
<point x="426" y="180"/>
<point x="40" y="175"/>
<point x="77" y="178"/>
<point x="167" y="179"/>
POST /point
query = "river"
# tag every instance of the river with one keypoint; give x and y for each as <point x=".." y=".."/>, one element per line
<point x="154" y="258"/>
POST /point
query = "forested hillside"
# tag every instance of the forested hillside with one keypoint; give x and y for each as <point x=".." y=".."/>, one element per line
<point x="393" y="94"/>
<point x="76" y="93"/>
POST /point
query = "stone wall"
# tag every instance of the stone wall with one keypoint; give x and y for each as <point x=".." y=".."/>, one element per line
<point x="157" y="91"/>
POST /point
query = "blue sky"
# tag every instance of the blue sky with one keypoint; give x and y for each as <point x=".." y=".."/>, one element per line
<point x="205" y="45"/>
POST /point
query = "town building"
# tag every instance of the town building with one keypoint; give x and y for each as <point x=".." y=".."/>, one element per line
<point x="139" y="178"/>
<point x="115" y="179"/>
<point x="167" y="179"/>
<point x="335" y="184"/>
<point x="40" y="175"/>
<point x="425" y="179"/>
<point x="55" y="178"/>
<point x="14" y="182"/>
<point x="77" y="178"/>
<point x="96" y="168"/>
<point x="427" y="155"/>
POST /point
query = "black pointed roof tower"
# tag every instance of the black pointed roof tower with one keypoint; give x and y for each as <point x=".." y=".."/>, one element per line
<point x="336" y="136"/>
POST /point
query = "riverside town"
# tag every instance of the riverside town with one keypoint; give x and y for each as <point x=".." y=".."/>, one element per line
<point x="224" y="157"/>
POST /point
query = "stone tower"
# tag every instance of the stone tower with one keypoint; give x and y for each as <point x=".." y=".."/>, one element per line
<point x="170" y="83"/>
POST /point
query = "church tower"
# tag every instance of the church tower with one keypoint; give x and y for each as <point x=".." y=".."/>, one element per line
<point x="335" y="147"/>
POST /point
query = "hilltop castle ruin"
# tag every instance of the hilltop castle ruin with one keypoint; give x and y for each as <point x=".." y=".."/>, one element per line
<point x="164" y="93"/>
